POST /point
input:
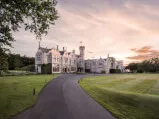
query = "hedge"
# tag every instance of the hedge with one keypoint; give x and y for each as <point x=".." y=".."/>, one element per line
<point x="46" y="68"/>
<point x="115" y="71"/>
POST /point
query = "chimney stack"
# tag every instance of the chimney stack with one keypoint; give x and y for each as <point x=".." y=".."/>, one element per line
<point x="57" y="48"/>
<point x="63" y="48"/>
<point x="73" y="51"/>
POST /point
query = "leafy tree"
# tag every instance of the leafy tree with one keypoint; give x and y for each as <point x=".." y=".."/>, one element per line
<point x="3" y="62"/>
<point x="140" y="68"/>
<point x="18" y="62"/>
<point x="133" y="67"/>
<point x="115" y="71"/>
<point x="15" y="61"/>
<point x="151" y="65"/>
<point x="35" y="15"/>
<point x="155" y="63"/>
<point x="11" y="61"/>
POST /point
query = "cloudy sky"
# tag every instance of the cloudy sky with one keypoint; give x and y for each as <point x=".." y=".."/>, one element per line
<point x="126" y="29"/>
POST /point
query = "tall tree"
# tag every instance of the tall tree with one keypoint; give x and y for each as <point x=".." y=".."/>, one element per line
<point x="35" y="15"/>
<point x="133" y="67"/>
<point x="3" y="62"/>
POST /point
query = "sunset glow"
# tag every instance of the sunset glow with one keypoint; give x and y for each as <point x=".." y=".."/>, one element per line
<point x="126" y="29"/>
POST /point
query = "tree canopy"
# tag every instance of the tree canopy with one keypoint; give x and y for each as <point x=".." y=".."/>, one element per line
<point x="151" y="65"/>
<point x="34" y="15"/>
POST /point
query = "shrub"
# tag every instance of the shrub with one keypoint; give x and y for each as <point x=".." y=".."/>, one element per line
<point x="30" y="68"/>
<point x="46" y="68"/>
<point x="115" y="71"/>
<point x="103" y="71"/>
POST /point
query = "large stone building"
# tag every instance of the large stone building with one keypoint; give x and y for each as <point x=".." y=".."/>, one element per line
<point x="103" y="65"/>
<point x="64" y="61"/>
<point x="61" y="61"/>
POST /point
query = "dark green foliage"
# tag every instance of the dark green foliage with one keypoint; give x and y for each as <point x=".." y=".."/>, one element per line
<point x="112" y="70"/>
<point x="35" y="15"/>
<point x="140" y="68"/>
<point x="3" y="61"/>
<point x="87" y="70"/>
<point x="133" y="67"/>
<point x="30" y="68"/>
<point x="16" y="61"/>
<point x="151" y="65"/>
<point x="46" y="68"/>
<point x="115" y="71"/>
<point x="103" y="72"/>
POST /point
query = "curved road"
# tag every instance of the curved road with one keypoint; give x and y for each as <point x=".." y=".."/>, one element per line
<point x="63" y="98"/>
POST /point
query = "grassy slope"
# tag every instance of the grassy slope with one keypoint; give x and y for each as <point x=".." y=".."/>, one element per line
<point x="126" y="96"/>
<point x="16" y="92"/>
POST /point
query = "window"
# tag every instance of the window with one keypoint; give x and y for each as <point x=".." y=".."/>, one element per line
<point x="73" y="68"/>
<point x="38" y="56"/>
<point x="100" y="64"/>
<point x="56" y="69"/>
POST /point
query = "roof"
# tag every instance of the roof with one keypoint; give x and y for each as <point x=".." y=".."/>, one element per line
<point x="62" y="52"/>
<point x="44" y="50"/>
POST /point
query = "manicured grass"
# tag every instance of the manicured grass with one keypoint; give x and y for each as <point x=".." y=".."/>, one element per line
<point x="126" y="96"/>
<point x="16" y="92"/>
<point x="17" y="73"/>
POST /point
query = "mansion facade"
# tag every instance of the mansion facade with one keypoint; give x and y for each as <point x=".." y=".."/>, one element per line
<point x="103" y="65"/>
<point x="63" y="61"/>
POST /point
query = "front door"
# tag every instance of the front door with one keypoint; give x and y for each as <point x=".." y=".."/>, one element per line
<point x="65" y="70"/>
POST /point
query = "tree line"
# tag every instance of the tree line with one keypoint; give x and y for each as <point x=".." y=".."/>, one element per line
<point x="151" y="65"/>
<point x="16" y="61"/>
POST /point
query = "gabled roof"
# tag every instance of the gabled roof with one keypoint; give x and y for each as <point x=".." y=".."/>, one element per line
<point x="44" y="50"/>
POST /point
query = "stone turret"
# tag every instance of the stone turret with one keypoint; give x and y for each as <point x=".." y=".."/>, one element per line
<point x="81" y="63"/>
<point x="82" y="49"/>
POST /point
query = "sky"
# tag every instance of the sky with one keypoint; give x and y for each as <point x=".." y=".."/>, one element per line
<point x="126" y="29"/>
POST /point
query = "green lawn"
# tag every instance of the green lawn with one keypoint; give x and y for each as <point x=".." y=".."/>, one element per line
<point x="16" y="92"/>
<point x="126" y="96"/>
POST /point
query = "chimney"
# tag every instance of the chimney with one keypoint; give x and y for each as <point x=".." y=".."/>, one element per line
<point x="73" y="51"/>
<point x="57" y="47"/>
<point x="63" y="48"/>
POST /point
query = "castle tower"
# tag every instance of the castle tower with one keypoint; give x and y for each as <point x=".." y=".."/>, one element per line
<point x="82" y="49"/>
<point x="81" y="62"/>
